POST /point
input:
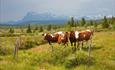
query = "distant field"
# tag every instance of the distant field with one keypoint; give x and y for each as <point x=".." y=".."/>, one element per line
<point x="41" y="58"/>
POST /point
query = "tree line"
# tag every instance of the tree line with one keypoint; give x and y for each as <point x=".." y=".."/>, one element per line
<point x="104" y="23"/>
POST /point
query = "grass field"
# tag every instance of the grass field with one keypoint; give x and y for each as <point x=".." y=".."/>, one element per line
<point x="41" y="57"/>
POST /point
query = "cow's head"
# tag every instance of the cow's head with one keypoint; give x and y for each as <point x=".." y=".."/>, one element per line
<point x="46" y="36"/>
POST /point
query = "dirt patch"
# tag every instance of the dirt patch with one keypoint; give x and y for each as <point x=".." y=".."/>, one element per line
<point x="41" y="48"/>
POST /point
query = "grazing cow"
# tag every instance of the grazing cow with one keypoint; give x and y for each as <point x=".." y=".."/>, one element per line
<point x="50" y="38"/>
<point x="80" y="37"/>
<point x="57" y="37"/>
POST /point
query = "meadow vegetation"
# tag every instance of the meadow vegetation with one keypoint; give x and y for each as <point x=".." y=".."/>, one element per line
<point x="36" y="54"/>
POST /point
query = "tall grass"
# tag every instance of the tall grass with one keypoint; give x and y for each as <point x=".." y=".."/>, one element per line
<point x="102" y="56"/>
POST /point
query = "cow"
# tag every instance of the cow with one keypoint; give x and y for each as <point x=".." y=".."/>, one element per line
<point x="57" y="37"/>
<point x="80" y="36"/>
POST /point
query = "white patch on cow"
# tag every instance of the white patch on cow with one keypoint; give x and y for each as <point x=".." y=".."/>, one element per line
<point x="45" y="34"/>
<point x="76" y="34"/>
<point x="62" y="38"/>
<point x="52" y="35"/>
<point x="88" y="30"/>
<point x="60" y="32"/>
<point x="84" y="35"/>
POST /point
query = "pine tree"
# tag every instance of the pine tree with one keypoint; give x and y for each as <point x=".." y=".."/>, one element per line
<point x="91" y="22"/>
<point x="83" y="22"/>
<point x="49" y="27"/>
<point x="95" y="24"/>
<point x="29" y="29"/>
<point x="72" y="22"/>
<point x="68" y="26"/>
<point x="68" y="23"/>
<point x="11" y="30"/>
<point x="36" y="28"/>
<point x="41" y="29"/>
<point x="113" y="20"/>
<point x="105" y="23"/>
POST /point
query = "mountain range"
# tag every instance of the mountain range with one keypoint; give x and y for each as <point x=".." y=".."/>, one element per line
<point x="38" y="18"/>
<point x="46" y="18"/>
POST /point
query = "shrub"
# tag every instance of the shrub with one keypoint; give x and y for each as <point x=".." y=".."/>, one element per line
<point x="76" y="59"/>
<point x="57" y="57"/>
<point x="70" y="62"/>
<point x="28" y="44"/>
<point x="5" y="50"/>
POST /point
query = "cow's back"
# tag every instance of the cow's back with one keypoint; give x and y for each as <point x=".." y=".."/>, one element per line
<point x="85" y="35"/>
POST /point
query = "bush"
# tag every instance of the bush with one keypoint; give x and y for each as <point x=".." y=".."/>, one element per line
<point x="81" y="57"/>
<point x="76" y="59"/>
<point x="28" y="44"/>
<point x="59" y="54"/>
<point x="70" y="62"/>
<point x="9" y="35"/>
<point x="5" y="50"/>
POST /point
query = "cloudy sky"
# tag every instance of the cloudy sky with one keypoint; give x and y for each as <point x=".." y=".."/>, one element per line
<point x="11" y="10"/>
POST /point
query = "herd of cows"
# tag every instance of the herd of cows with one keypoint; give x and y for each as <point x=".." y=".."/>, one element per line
<point x="73" y="36"/>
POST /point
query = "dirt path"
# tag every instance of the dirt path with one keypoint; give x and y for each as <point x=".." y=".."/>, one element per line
<point x="41" y="48"/>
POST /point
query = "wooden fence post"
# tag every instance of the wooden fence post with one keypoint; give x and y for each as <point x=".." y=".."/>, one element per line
<point x="17" y="45"/>
<point x="89" y="53"/>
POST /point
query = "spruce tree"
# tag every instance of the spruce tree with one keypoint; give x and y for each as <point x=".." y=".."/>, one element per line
<point x="49" y="27"/>
<point x="83" y="22"/>
<point x="91" y="22"/>
<point x="29" y="29"/>
<point x="41" y="29"/>
<point x="105" y="23"/>
<point x="11" y="30"/>
<point x="72" y="22"/>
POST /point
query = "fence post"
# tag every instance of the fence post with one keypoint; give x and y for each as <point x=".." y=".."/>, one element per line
<point x="89" y="53"/>
<point x="17" y="45"/>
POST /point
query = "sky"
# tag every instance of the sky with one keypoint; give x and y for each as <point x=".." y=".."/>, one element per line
<point x="12" y="10"/>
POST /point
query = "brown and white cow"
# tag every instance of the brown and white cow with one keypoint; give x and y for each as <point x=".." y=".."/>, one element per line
<point x="57" y="37"/>
<point x="80" y="36"/>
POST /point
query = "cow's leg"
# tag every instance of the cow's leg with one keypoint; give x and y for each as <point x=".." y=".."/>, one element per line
<point x="65" y="44"/>
<point x="75" y="46"/>
<point x="51" y="45"/>
<point x="71" y="43"/>
<point x="87" y="42"/>
<point x="78" y="44"/>
<point x="82" y="45"/>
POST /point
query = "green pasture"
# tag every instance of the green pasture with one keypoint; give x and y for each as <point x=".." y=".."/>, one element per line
<point x="40" y="56"/>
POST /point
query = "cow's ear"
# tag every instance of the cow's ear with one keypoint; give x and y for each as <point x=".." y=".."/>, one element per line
<point x="48" y="33"/>
<point x="42" y="34"/>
